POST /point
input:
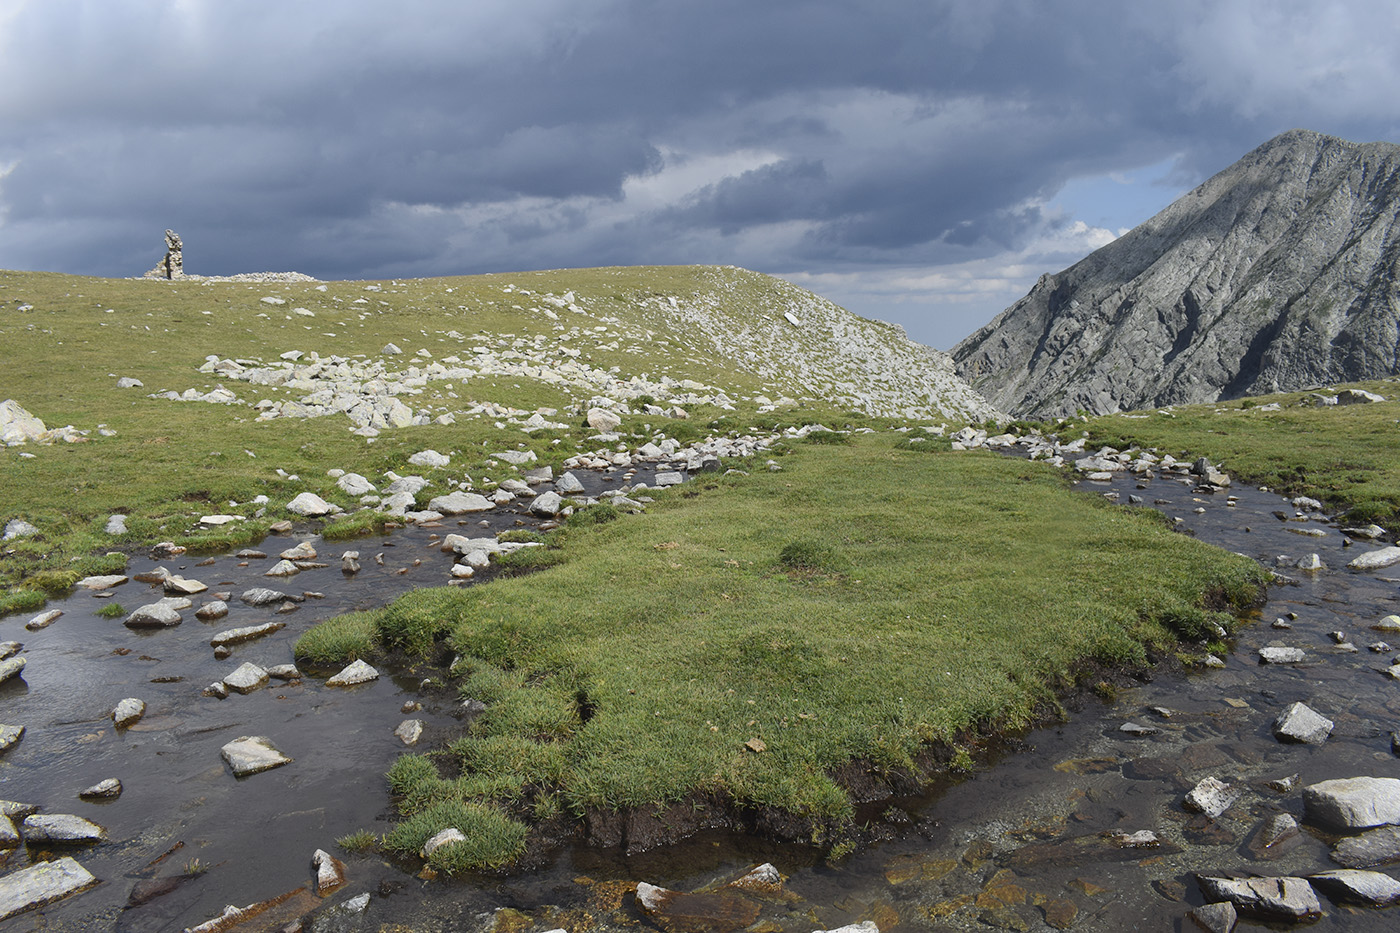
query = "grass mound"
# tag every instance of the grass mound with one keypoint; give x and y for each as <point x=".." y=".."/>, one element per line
<point x="663" y="661"/>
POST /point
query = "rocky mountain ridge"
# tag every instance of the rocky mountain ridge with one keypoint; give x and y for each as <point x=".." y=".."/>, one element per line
<point x="1277" y="274"/>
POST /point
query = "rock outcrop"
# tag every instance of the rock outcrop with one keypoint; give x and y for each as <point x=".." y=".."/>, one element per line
<point x="1277" y="274"/>
<point x="172" y="266"/>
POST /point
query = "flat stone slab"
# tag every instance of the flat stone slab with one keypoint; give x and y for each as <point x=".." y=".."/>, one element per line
<point x="1354" y="803"/>
<point x="246" y="678"/>
<point x="1212" y="797"/>
<point x="1377" y="559"/>
<point x="458" y="503"/>
<point x="356" y="673"/>
<point x="182" y="586"/>
<point x="103" y="582"/>
<point x="248" y="632"/>
<point x="409" y="731"/>
<point x="1371" y="848"/>
<point x="211" y="611"/>
<point x="43" y="620"/>
<point x="10" y="668"/>
<point x="156" y="615"/>
<point x="1301" y="723"/>
<point x="1276" y="898"/>
<point x="311" y="505"/>
<point x="252" y="754"/>
<point x="1373" y="888"/>
<point x="42" y="884"/>
<point x="61" y="827"/>
<point x="1275" y="655"/>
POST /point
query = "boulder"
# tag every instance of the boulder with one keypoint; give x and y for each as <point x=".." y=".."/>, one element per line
<point x="1280" y="655"/>
<point x="10" y="667"/>
<point x="43" y="620"/>
<point x="355" y="485"/>
<point x="1211" y="797"/>
<point x="252" y="754"/>
<point x="283" y="568"/>
<point x="246" y="678"/>
<point x="430" y="458"/>
<point x="155" y="615"/>
<point x="302" y="551"/>
<point x="547" y="504"/>
<point x="103" y="582"/>
<point x="1272" y="898"/>
<point x="1300" y="723"/>
<point x="515" y="457"/>
<point x="128" y="712"/>
<point x="1377" y="559"/>
<point x="211" y="611"/>
<point x="102" y="790"/>
<point x="1372" y="888"/>
<point x="568" y="485"/>
<point x="458" y="503"/>
<point x="246" y="633"/>
<point x="311" y="505"/>
<point x="40" y="884"/>
<point x="357" y="673"/>
<point x="667" y="478"/>
<point x="18" y="426"/>
<point x="61" y="828"/>
<point x="9" y="735"/>
<point x="1354" y="803"/>
<point x="261" y="596"/>
<point x="603" y="421"/>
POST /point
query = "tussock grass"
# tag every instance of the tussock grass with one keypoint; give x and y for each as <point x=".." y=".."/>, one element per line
<point x="637" y="672"/>
<point x="1345" y="456"/>
<point x="341" y="639"/>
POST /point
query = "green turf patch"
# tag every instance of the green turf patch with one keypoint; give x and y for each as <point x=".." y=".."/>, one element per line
<point x="693" y="653"/>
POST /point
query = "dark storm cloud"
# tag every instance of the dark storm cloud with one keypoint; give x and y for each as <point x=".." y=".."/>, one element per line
<point x="432" y="137"/>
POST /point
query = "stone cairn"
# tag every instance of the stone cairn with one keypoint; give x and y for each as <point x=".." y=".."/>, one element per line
<point x="173" y="265"/>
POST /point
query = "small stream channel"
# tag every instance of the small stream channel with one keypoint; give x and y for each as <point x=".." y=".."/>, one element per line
<point x="1020" y="844"/>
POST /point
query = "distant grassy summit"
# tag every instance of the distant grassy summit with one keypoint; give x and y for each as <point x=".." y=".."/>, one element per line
<point x="196" y="396"/>
<point x="1275" y="275"/>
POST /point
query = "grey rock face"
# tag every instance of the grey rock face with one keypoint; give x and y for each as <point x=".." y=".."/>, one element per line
<point x="1300" y="723"/>
<point x="61" y="827"/>
<point x="1272" y="276"/>
<point x="1278" y="898"/>
<point x="1371" y="848"/>
<point x="42" y="884"/>
<point x="1373" y="888"/>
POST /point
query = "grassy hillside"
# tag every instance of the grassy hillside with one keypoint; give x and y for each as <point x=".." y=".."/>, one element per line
<point x="487" y="353"/>
<point x="1344" y="455"/>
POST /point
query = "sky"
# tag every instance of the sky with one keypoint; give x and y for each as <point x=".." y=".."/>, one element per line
<point x="917" y="161"/>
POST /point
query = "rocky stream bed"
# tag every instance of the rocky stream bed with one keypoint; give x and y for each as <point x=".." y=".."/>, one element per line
<point x="1093" y="824"/>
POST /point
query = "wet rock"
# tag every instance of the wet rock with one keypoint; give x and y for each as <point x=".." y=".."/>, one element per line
<point x="8" y="649"/>
<point x="42" y="884"/>
<point x="284" y="672"/>
<point x="302" y="551"/>
<point x="1084" y="850"/>
<point x="1377" y="559"/>
<point x="1354" y="803"/>
<point x="547" y="503"/>
<point x="222" y="652"/>
<point x="234" y="636"/>
<point x="676" y="912"/>
<point x="212" y="611"/>
<point x="1211" y="797"/>
<point x="1279" y="655"/>
<point x="1272" y="898"/>
<point x="9" y="735"/>
<point x="568" y="485"/>
<point x="103" y="582"/>
<point x="1372" y="848"/>
<point x="43" y="620"/>
<point x="1276" y="836"/>
<point x="261" y="596"/>
<point x="155" y="615"/>
<point x="1301" y="723"/>
<point x="1390" y="623"/>
<point x="61" y="828"/>
<point x="330" y="872"/>
<point x="252" y="754"/>
<point x="357" y="673"/>
<point x="446" y="837"/>
<point x="103" y="790"/>
<point x="217" y="690"/>
<point x="128" y="712"/>
<point x="1060" y="913"/>
<point x="459" y="503"/>
<point x="1283" y="785"/>
<point x="9" y="837"/>
<point x="283" y="568"/>
<point x="246" y="678"/>
<point x="311" y="505"/>
<point x="1372" y="888"/>
<point x="409" y="731"/>
<point x="667" y="478"/>
<point x="1215" y="918"/>
<point x="180" y="586"/>
<point x="10" y="667"/>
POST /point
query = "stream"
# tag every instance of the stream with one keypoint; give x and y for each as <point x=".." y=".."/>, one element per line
<point x="1022" y="843"/>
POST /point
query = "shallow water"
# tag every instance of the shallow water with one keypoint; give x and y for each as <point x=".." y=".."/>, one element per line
<point x="1016" y="845"/>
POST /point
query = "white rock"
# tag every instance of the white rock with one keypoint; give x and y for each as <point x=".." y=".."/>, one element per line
<point x="357" y="673"/>
<point x="61" y="827"/>
<point x="458" y="503"/>
<point x="106" y="790"/>
<point x="409" y="731"/>
<point x="446" y="837"/>
<point x="43" y="620"/>
<point x="568" y="484"/>
<point x="311" y="505"/>
<point x="302" y="551"/>
<point x="1301" y="723"/>
<point x="246" y="678"/>
<point x="667" y="478"/>
<point x="116" y="525"/>
<point x="1211" y="797"/>
<point x="283" y="568"/>
<point x="19" y="528"/>
<point x="246" y="633"/>
<point x="600" y="419"/>
<point x="330" y="872"/>
<point x="1373" y="888"/>
<point x="516" y="457"/>
<point x="548" y="503"/>
<point x="155" y="615"/>
<point x="1280" y="898"/>
<point x="252" y="754"/>
<point x="356" y="485"/>
<point x="128" y="712"/>
<point x="105" y="582"/>
<point x="1277" y="655"/>
<point x="430" y="458"/>
<point x="1377" y="559"/>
